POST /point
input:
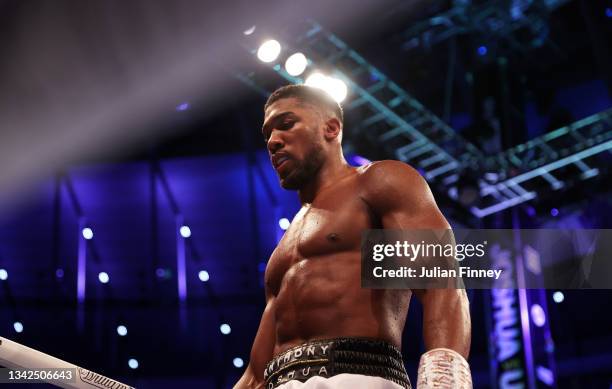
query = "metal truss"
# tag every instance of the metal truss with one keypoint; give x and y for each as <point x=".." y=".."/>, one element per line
<point x="499" y="19"/>
<point x="404" y="128"/>
<point x="550" y="162"/>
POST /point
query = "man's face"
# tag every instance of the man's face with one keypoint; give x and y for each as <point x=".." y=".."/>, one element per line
<point x="293" y="131"/>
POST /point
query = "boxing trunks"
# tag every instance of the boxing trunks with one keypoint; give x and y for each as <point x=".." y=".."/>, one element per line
<point x="340" y="362"/>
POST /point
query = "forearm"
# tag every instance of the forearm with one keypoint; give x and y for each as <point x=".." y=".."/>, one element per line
<point x="446" y="320"/>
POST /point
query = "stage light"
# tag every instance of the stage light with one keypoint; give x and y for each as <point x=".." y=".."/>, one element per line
<point x="361" y="161"/>
<point x="558" y="297"/>
<point x="269" y="51"/>
<point x="3" y="274"/>
<point x="482" y="50"/>
<point x="203" y="275"/>
<point x="554" y="212"/>
<point x="182" y="107"/>
<point x="262" y="266"/>
<point x="609" y="12"/>
<point x="296" y="64"/>
<point x="537" y="315"/>
<point x="122" y="330"/>
<point x="87" y="233"/>
<point x="249" y="30"/>
<point x="18" y="327"/>
<point x="59" y="273"/>
<point x="185" y="232"/>
<point x="160" y="273"/>
<point x="225" y="329"/>
<point x="336" y="88"/>
<point x="103" y="277"/>
<point x="238" y="362"/>
<point x="284" y="223"/>
<point x="133" y="363"/>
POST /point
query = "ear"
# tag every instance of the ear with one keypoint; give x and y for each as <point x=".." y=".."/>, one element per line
<point x="333" y="128"/>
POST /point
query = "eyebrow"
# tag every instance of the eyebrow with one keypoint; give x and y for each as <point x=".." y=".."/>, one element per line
<point x="273" y="120"/>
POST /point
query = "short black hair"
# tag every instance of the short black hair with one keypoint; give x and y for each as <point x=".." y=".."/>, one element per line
<point x="307" y="94"/>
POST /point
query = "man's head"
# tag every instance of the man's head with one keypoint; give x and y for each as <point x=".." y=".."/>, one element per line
<point x="302" y="129"/>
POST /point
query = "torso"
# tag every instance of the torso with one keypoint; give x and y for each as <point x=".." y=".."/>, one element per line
<point x="313" y="277"/>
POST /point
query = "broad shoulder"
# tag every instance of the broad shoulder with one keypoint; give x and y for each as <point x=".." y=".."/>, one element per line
<point x="381" y="174"/>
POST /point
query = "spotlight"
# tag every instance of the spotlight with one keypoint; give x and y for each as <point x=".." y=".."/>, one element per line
<point x="558" y="297"/>
<point x="182" y="107"/>
<point x="609" y="12"/>
<point x="554" y="212"/>
<point x="133" y="363"/>
<point x="18" y="327"/>
<point x="59" y="273"/>
<point x="225" y="329"/>
<point x="335" y="87"/>
<point x="160" y="273"/>
<point x="296" y="64"/>
<point x="537" y="315"/>
<point x="482" y="51"/>
<point x="284" y="223"/>
<point x="103" y="277"/>
<point x="238" y="362"/>
<point x="203" y="275"/>
<point x="185" y="232"/>
<point x="249" y="30"/>
<point x="3" y="274"/>
<point x="269" y="51"/>
<point x="87" y="233"/>
<point x="122" y="330"/>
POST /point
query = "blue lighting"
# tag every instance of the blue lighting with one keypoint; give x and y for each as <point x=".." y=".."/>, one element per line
<point x="133" y="363"/>
<point x="3" y="274"/>
<point x="87" y="233"/>
<point x="558" y="297"/>
<point x="103" y="277"/>
<point x="537" y="315"/>
<point x="609" y="12"/>
<point x="203" y="275"/>
<point x="225" y="329"/>
<point x="18" y="327"/>
<point x="262" y="266"/>
<point x="482" y="50"/>
<point x="554" y="212"/>
<point x="122" y="330"/>
<point x="59" y="273"/>
<point x="182" y="107"/>
<point x="185" y="232"/>
<point x="284" y="223"/>
<point x="238" y="362"/>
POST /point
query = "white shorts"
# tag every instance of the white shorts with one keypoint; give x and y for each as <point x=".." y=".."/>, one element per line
<point x="353" y="381"/>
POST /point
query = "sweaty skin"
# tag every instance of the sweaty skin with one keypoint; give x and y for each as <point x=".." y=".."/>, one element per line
<point x="313" y="277"/>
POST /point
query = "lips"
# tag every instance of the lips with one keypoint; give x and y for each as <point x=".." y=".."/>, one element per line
<point x="279" y="159"/>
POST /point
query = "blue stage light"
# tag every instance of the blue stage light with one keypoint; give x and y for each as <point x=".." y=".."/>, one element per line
<point x="185" y="232"/>
<point x="133" y="363"/>
<point x="238" y="362"/>
<point x="225" y="329"/>
<point x="18" y="327"/>
<point x="554" y="212"/>
<point x="182" y="107"/>
<point x="59" y="273"/>
<point x="103" y="277"/>
<point x="203" y="275"/>
<point x="87" y="233"/>
<point x="284" y="223"/>
<point x="537" y="315"/>
<point x="122" y="330"/>
<point x="482" y="50"/>
<point x="3" y="274"/>
<point x="558" y="297"/>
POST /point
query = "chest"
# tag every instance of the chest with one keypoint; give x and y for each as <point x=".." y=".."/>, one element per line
<point x="332" y="225"/>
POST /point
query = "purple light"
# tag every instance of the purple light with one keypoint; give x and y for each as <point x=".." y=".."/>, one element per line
<point x="554" y="211"/>
<point x="160" y="273"/>
<point x="537" y="315"/>
<point x="59" y="273"/>
<point x="361" y="161"/>
<point x="609" y="12"/>
<point x="545" y="375"/>
<point x="531" y="211"/>
<point x="182" y="107"/>
<point x="482" y="50"/>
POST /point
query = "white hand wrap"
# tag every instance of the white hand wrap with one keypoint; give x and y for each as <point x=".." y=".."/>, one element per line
<point x="442" y="368"/>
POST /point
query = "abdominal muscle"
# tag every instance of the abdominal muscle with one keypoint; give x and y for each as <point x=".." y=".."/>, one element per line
<point x="322" y="298"/>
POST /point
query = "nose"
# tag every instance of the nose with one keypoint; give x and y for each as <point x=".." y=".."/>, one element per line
<point x="275" y="142"/>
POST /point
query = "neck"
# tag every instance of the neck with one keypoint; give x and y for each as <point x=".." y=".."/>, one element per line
<point x="331" y="171"/>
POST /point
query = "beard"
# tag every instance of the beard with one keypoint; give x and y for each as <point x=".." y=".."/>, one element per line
<point x="305" y="170"/>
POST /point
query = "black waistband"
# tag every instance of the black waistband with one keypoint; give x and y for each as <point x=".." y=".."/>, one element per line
<point x="329" y="357"/>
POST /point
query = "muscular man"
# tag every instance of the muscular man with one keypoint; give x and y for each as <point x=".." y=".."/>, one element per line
<point x="320" y="327"/>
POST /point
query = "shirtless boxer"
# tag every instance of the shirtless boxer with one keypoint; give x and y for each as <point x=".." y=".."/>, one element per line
<point x="320" y="328"/>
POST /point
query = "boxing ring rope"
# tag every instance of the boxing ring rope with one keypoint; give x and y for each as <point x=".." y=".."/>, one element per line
<point x="17" y="356"/>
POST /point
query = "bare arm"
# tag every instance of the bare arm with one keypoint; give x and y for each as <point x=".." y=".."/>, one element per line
<point x="402" y="199"/>
<point x="261" y="352"/>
